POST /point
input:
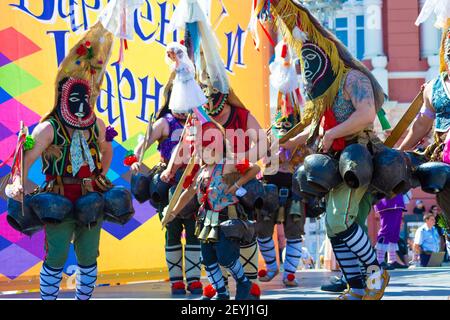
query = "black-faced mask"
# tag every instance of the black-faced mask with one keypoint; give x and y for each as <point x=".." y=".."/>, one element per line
<point x="74" y="107"/>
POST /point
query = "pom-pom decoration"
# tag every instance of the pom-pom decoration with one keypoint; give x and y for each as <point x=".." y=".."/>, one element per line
<point x="178" y="285"/>
<point x="291" y="277"/>
<point x="110" y="134"/>
<point x="29" y="143"/>
<point x="255" y="290"/>
<point x="262" y="273"/>
<point x="209" y="291"/>
<point x="243" y="167"/>
<point x="130" y="158"/>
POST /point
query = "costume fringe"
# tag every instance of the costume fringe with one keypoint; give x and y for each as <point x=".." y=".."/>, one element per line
<point x="287" y="14"/>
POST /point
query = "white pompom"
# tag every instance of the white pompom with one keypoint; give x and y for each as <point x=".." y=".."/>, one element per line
<point x="299" y="34"/>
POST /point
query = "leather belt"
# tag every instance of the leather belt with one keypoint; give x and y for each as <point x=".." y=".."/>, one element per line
<point x="83" y="181"/>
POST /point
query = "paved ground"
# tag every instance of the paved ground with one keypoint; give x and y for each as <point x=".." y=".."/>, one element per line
<point x="410" y="284"/>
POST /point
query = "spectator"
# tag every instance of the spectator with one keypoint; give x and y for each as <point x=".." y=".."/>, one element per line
<point x="419" y="208"/>
<point x="390" y="211"/>
<point x="427" y="240"/>
<point x="434" y="210"/>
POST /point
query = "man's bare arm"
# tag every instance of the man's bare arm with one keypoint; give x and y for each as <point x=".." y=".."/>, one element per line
<point x="106" y="149"/>
<point x="421" y="125"/>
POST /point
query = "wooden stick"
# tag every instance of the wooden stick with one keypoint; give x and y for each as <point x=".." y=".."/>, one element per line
<point x="148" y="133"/>
<point x="405" y="121"/>
<point x="177" y="193"/>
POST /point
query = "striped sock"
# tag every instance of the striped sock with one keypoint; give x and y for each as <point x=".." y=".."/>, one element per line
<point x="86" y="278"/>
<point x="348" y="263"/>
<point x="50" y="279"/>
<point x="447" y="243"/>
<point x="174" y="256"/>
<point x="267" y="249"/>
<point x="293" y="255"/>
<point x="381" y="253"/>
<point x="392" y="253"/>
<point x="237" y="271"/>
<point x="192" y="263"/>
<point x="249" y="260"/>
<point x="215" y="277"/>
<point x="358" y="242"/>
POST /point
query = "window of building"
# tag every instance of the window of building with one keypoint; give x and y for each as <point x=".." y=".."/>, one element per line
<point x="342" y="30"/>
<point x="360" y="37"/>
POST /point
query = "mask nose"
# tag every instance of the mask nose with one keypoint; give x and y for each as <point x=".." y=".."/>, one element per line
<point x="80" y="112"/>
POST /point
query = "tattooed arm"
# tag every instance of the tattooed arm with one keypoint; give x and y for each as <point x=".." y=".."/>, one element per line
<point x="358" y="89"/>
<point x="422" y="124"/>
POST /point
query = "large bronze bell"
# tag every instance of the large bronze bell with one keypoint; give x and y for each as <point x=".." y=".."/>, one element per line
<point x="213" y="235"/>
<point x="204" y="233"/>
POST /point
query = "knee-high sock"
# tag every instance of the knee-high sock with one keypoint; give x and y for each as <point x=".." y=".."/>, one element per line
<point x="348" y="263"/>
<point x="237" y="271"/>
<point x="249" y="260"/>
<point x="358" y="242"/>
<point x="174" y="256"/>
<point x="192" y="263"/>
<point x="215" y="277"/>
<point x="225" y="274"/>
<point x="267" y="249"/>
<point x="392" y="253"/>
<point x="86" y="278"/>
<point x="293" y="255"/>
<point x="50" y="280"/>
<point x="381" y="252"/>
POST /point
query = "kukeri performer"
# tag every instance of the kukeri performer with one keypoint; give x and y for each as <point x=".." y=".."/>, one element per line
<point x="282" y="206"/>
<point x="223" y="106"/>
<point x="76" y="152"/>
<point x="435" y="111"/>
<point x="182" y="95"/>
<point x="221" y="221"/>
<point x="342" y="101"/>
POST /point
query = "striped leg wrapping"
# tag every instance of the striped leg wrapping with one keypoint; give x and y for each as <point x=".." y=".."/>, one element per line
<point x="267" y="249"/>
<point x="249" y="260"/>
<point x="293" y="255"/>
<point x="174" y="256"/>
<point x="215" y="277"/>
<point x="348" y="263"/>
<point x="86" y="278"/>
<point x="50" y="280"/>
<point x="358" y="242"/>
<point x="237" y="271"/>
<point x="192" y="263"/>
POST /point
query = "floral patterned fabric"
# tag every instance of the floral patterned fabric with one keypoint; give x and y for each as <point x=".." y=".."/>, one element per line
<point x="441" y="104"/>
<point x="215" y="193"/>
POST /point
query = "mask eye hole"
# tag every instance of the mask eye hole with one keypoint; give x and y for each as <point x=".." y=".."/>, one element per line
<point x="74" y="99"/>
<point x="287" y="124"/>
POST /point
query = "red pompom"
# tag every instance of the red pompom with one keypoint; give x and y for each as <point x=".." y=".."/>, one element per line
<point x="262" y="273"/>
<point x="243" y="167"/>
<point x="128" y="161"/>
<point x="81" y="51"/>
<point x="255" y="290"/>
<point x="291" y="277"/>
<point x="195" y="285"/>
<point x="209" y="291"/>
<point x="88" y="44"/>
<point x="178" y="285"/>
<point x="182" y="42"/>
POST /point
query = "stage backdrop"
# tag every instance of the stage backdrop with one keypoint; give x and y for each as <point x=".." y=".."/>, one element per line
<point x="34" y="37"/>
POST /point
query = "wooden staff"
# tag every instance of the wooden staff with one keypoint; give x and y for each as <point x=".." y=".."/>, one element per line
<point x="405" y="121"/>
<point x="148" y="133"/>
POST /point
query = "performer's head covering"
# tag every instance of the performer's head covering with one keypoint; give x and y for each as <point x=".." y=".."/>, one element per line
<point x="441" y="8"/>
<point x="283" y="78"/>
<point x="324" y="59"/>
<point x="202" y="48"/>
<point x="80" y="75"/>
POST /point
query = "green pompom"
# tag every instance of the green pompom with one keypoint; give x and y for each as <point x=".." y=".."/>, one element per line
<point x="129" y="153"/>
<point x="29" y="143"/>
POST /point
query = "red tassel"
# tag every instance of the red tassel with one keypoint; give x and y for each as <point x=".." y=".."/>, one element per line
<point x="284" y="51"/>
<point x="125" y="42"/>
<point x="209" y="291"/>
<point x="329" y="121"/>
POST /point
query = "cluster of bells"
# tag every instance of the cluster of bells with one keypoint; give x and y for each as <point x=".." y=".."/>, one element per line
<point x="387" y="173"/>
<point x="115" y="205"/>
